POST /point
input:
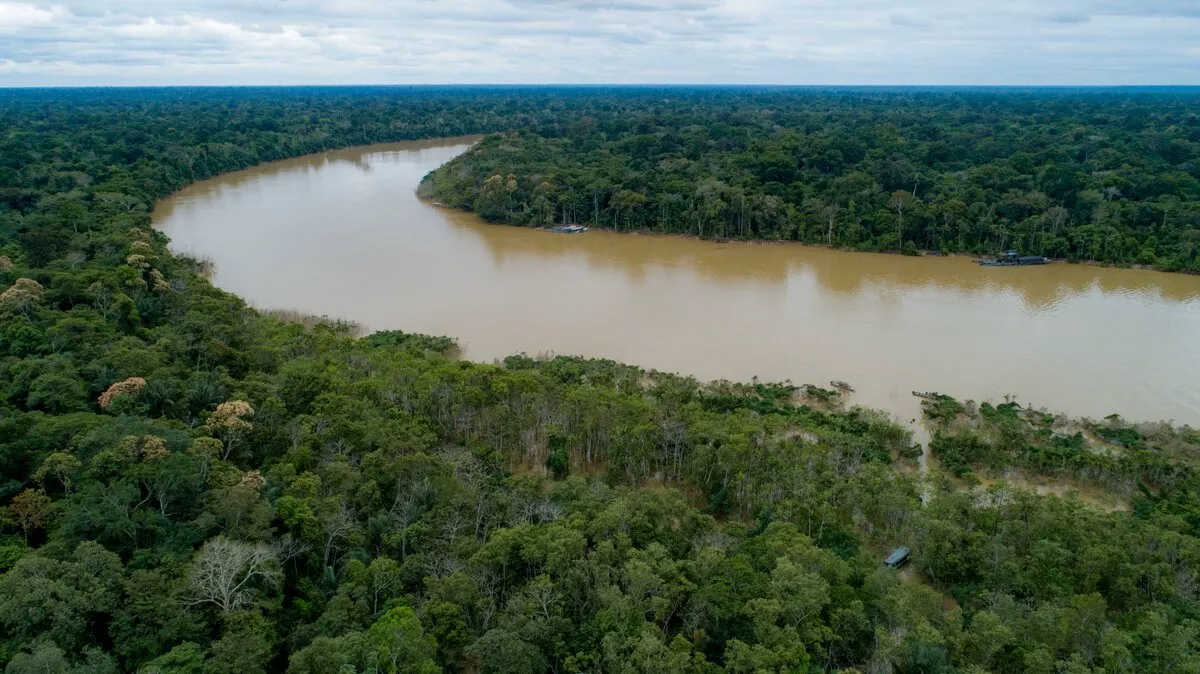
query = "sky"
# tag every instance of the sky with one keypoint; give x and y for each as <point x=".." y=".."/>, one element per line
<point x="925" y="42"/>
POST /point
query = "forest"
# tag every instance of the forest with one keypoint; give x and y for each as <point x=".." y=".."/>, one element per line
<point x="1111" y="176"/>
<point x="188" y="486"/>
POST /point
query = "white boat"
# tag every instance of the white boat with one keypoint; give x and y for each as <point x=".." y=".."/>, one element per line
<point x="569" y="229"/>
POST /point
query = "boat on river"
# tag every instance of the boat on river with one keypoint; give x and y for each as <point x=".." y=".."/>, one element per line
<point x="841" y="386"/>
<point x="569" y="229"/>
<point x="927" y="395"/>
<point x="1012" y="258"/>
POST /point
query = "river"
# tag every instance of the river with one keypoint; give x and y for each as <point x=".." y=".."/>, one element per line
<point x="343" y="234"/>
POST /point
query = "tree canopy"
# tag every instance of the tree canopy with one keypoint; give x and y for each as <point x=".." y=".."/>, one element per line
<point x="190" y="486"/>
<point x="1102" y="175"/>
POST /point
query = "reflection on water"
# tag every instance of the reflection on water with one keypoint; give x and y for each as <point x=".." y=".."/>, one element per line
<point x="343" y="233"/>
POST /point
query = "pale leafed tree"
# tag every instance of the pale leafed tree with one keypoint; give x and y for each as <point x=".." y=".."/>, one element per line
<point x="230" y="423"/>
<point x="338" y="523"/>
<point x="899" y="201"/>
<point x="1056" y="216"/>
<point x="158" y="282"/>
<point x="102" y="298"/>
<point x="830" y="213"/>
<point x="138" y="261"/>
<point x="22" y="297"/>
<point x="207" y="449"/>
<point x="6" y="264"/>
<point x="143" y="448"/>
<point x="493" y="184"/>
<point x="127" y="387"/>
<point x="228" y="573"/>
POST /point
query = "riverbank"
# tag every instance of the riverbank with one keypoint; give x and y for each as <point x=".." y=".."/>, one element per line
<point x="781" y="312"/>
<point x="425" y="195"/>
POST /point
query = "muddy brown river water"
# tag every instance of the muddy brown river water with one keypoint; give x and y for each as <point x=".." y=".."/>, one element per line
<point x="343" y="234"/>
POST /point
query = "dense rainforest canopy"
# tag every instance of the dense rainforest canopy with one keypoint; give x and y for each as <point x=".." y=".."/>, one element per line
<point x="1105" y="175"/>
<point x="188" y="486"/>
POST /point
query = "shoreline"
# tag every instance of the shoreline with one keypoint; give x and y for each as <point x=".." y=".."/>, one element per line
<point x="901" y="417"/>
<point x="787" y="242"/>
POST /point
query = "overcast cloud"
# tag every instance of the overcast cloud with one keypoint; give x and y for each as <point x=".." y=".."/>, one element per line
<point x="1099" y="42"/>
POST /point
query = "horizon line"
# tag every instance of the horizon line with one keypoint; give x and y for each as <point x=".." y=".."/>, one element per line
<point x="567" y="85"/>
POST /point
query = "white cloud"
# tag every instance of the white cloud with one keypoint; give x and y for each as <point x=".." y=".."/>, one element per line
<point x="16" y="16"/>
<point x="597" y="41"/>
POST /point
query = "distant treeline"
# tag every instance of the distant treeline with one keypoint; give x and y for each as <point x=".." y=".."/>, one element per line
<point x="1105" y="175"/>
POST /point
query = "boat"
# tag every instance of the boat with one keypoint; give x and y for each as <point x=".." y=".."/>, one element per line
<point x="897" y="558"/>
<point x="569" y="229"/>
<point x="927" y="395"/>
<point x="841" y="385"/>
<point x="1012" y="258"/>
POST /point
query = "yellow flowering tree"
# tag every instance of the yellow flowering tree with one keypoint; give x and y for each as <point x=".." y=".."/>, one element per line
<point x="22" y="297"/>
<point x="127" y="387"/>
<point x="230" y="423"/>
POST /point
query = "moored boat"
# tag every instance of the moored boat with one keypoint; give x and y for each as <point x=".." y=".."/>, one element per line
<point x="841" y="385"/>
<point x="1011" y="258"/>
<point x="569" y="229"/>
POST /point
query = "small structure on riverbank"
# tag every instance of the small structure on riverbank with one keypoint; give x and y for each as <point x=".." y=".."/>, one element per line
<point x="569" y="229"/>
<point x="841" y="386"/>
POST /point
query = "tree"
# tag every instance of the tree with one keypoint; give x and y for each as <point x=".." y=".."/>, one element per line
<point x="628" y="202"/>
<point x="228" y="573"/>
<point x="900" y="201"/>
<point x="57" y="392"/>
<point x="401" y="644"/>
<point x="830" y="213"/>
<point x="127" y="387"/>
<point x="59" y="599"/>
<point x="30" y="509"/>
<point x="102" y="297"/>
<point x="386" y="579"/>
<point x="186" y="658"/>
<point x="323" y="655"/>
<point x="62" y="466"/>
<point x="230" y="423"/>
<point x="22" y="297"/>
<point x="45" y="657"/>
<point x="148" y="620"/>
<point x="558" y="457"/>
<point x="244" y="646"/>
<point x="501" y="652"/>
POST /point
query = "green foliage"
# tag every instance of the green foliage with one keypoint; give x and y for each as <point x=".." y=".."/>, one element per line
<point x="189" y="486"/>
<point x="1085" y="175"/>
<point x="501" y="652"/>
<point x="400" y="644"/>
<point x="558" y="459"/>
<point x="418" y="343"/>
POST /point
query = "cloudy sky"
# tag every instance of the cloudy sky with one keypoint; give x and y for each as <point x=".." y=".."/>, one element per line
<point x="101" y="42"/>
